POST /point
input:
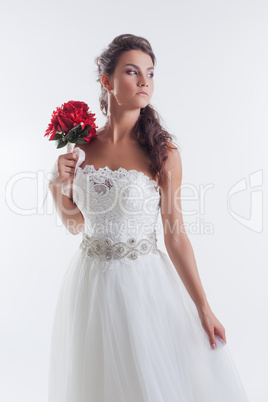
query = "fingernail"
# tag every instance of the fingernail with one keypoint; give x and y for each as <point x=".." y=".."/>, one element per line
<point x="213" y="345"/>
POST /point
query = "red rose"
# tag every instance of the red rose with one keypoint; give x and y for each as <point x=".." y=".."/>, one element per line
<point x="68" y="116"/>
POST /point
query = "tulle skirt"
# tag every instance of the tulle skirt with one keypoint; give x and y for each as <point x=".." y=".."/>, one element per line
<point x="129" y="332"/>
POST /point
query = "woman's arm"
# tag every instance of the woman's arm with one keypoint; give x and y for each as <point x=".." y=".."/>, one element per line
<point x="179" y="247"/>
<point x="67" y="210"/>
<point x="182" y="255"/>
<point x="176" y="240"/>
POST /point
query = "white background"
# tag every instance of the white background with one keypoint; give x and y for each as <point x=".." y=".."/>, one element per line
<point x="211" y="91"/>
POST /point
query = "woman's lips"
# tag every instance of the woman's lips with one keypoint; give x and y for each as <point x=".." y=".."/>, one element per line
<point x="142" y="93"/>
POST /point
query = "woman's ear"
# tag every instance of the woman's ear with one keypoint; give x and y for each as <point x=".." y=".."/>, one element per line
<point x="105" y="80"/>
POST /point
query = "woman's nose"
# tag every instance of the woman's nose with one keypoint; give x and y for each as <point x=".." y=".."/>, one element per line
<point x="143" y="82"/>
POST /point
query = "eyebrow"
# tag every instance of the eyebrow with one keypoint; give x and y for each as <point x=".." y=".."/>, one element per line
<point x="134" y="65"/>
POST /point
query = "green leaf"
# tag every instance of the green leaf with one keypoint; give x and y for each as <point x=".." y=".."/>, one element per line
<point x="56" y="137"/>
<point x="73" y="130"/>
<point x="61" y="144"/>
<point x="70" y="135"/>
<point x="72" y="138"/>
<point x="84" y="132"/>
<point x="81" y="141"/>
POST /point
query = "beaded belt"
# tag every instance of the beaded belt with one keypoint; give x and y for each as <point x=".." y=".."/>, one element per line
<point x="106" y="250"/>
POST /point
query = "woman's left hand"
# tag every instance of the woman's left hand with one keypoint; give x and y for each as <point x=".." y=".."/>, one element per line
<point x="211" y="325"/>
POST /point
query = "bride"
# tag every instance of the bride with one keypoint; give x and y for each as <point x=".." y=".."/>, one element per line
<point x="124" y="328"/>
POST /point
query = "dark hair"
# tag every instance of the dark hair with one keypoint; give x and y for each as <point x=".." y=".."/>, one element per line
<point x="149" y="132"/>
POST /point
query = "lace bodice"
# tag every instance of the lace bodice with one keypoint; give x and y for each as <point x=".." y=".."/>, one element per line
<point x="116" y="204"/>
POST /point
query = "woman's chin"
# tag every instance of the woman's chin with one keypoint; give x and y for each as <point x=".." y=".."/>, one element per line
<point x="142" y="103"/>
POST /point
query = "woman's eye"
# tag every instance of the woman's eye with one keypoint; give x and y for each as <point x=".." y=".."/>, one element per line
<point x="133" y="71"/>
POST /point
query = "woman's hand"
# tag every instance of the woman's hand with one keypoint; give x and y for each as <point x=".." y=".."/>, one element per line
<point x="211" y="325"/>
<point x="66" y="166"/>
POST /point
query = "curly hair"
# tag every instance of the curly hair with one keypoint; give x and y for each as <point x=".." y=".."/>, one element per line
<point x="148" y="129"/>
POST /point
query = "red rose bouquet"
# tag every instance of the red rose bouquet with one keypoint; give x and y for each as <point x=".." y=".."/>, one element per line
<point x="71" y="124"/>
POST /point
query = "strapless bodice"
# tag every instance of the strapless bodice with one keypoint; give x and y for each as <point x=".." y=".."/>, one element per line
<point x="120" y="208"/>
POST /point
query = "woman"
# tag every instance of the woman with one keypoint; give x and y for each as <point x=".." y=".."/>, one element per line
<point x="129" y="326"/>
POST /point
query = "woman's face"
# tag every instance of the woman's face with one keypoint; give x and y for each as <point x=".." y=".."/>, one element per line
<point x="133" y="73"/>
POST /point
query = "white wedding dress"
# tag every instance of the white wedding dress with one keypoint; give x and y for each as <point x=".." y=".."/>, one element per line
<point x="125" y="328"/>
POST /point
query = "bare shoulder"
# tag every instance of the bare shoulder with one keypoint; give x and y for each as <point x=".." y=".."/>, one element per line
<point x="171" y="211"/>
<point x="174" y="156"/>
<point x="173" y="165"/>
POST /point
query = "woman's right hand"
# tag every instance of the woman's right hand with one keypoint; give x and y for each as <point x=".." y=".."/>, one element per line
<point x="66" y="167"/>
